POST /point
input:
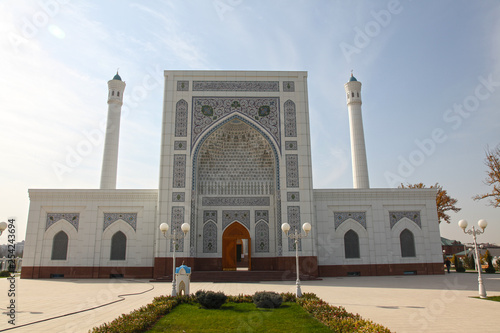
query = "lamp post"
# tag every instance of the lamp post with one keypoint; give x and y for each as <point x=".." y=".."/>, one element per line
<point x="296" y="236"/>
<point x="482" y="224"/>
<point x="3" y="226"/>
<point x="175" y="238"/>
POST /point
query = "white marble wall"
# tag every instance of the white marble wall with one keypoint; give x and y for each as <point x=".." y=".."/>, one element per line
<point x="379" y="243"/>
<point x="90" y="245"/>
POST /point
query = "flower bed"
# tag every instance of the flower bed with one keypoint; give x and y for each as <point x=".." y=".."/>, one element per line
<point x="336" y="318"/>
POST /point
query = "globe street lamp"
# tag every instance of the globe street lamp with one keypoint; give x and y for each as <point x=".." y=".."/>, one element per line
<point x="296" y="236"/>
<point x="482" y="224"/>
<point x="175" y="238"/>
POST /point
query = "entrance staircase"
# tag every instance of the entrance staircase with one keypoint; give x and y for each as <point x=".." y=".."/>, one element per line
<point x="239" y="276"/>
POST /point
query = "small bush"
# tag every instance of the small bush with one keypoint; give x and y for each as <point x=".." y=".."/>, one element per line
<point x="210" y="299"/>
<point x="4" y="274"/>
<point x="460" y="269"/>
<point x="267" y="299"/>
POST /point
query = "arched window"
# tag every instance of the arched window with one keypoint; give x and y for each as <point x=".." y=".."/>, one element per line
<point x="352" y="94"/>
<point x="118" y="246"/>
<point x="118" y="93"/>
<point x="60" y="246"/>
<point x="407" y="243"/>
<point x="351" y="244"/>
<point x="113" y="93"/>
<point x="357" y="94"/>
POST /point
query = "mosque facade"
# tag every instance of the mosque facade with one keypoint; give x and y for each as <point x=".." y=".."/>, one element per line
<point x="235" y="165"/>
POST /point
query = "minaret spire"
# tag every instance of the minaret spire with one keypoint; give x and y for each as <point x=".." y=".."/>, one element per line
<point x="116" y="88"/>
<point x="358" y="150"/>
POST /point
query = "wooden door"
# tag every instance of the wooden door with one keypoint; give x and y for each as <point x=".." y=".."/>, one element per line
<point x="232" y="233"/>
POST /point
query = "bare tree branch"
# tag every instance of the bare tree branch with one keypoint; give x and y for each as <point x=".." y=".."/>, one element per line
<point x="492" y="161"/>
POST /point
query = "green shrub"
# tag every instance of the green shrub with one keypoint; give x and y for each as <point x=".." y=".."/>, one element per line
<point x="4" y="274"/>
<point x="470" y="262"/>
<point x="267" y="299"/>
<point x="459" y="267"/>
<point x="210" y="299"/>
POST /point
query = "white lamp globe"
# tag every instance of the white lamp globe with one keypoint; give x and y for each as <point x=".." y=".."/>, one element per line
<point x="185" y="227"/>
<point x="164" y="227"/>
<point x="482" y="224"/>
<point x="306" y="227"/>
<point x="462" y="224"/>
<point x="285" y="227"/>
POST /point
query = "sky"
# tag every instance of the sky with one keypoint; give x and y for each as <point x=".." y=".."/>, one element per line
<point x="430" y="73"/>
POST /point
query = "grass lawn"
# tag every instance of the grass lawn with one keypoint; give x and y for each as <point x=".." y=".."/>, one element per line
<point x="491" y="298"/>
<point x="239" y="317"/>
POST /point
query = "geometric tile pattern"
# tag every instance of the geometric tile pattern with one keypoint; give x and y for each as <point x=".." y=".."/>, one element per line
<point x="235" y="201"/>
<point x="291" y="145"/>
<point x="181" y="118"/>
<point x="179" y="177"/>
<point x="292" y="170"/>
<point x="412" y="215"/>
<point x="209" y="215"/>
<point x="293" y="196"/>
<point x="261" y="215"/>
<point x="236" y="160"/>
<point x="180" y="145"/>
<point x="294" y="222"/>
<point x="229" y="216"/>
<point x="110" y="218"/>
<point x="279" y="232"/>
<point x="262" y="237"/>
<point x="208" y="110"/>
<point x="341" y="217"/>
<point x="235" y="86"/>
<point x="182" y="85"/>
<point x="177" y="220"/>
<point x="210" y="238"/>
<point x="199" y="151"/>
<point x="178" y="196"/>
<point x="288" y="86"/>
<point x="290" y="119"/>
<point x="72" y="218"/>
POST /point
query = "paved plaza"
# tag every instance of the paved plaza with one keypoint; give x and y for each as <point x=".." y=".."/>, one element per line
<point x="439" y="303"/>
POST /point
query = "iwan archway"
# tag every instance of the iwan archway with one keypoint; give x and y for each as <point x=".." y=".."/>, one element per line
<point x="235" y="179"/>
<point x="232" y="238"/>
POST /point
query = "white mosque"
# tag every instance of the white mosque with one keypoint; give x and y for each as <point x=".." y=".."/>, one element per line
<point x="235" y="165"/>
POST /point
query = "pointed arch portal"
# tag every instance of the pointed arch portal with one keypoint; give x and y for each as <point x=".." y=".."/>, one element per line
<point x="233" y="235"/>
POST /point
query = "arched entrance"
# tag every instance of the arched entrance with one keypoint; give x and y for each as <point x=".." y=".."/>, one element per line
<point x="232" y="236"/>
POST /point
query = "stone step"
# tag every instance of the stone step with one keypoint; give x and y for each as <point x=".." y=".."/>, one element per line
<point x="239" y="276"/>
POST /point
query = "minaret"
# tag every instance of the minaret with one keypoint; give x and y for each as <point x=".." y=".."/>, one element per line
<point x="110" y="157"/>
<point x="358" y="150"/>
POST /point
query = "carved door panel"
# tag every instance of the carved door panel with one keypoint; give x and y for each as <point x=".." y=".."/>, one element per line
<point x="229" y="253"/>
<point x="232" y="233"/>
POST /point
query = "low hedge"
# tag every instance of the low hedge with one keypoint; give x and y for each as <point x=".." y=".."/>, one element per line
<point x="210" y="299"/>
<point x="335" y="317"/>
<point x="267" y="299"/>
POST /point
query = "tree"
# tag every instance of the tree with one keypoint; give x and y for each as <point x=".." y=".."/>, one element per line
<point x="492" y="161"/>
<point x="469" y="261"/>
<point x="487" y="257"/>
<point x="444" y="202"/>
